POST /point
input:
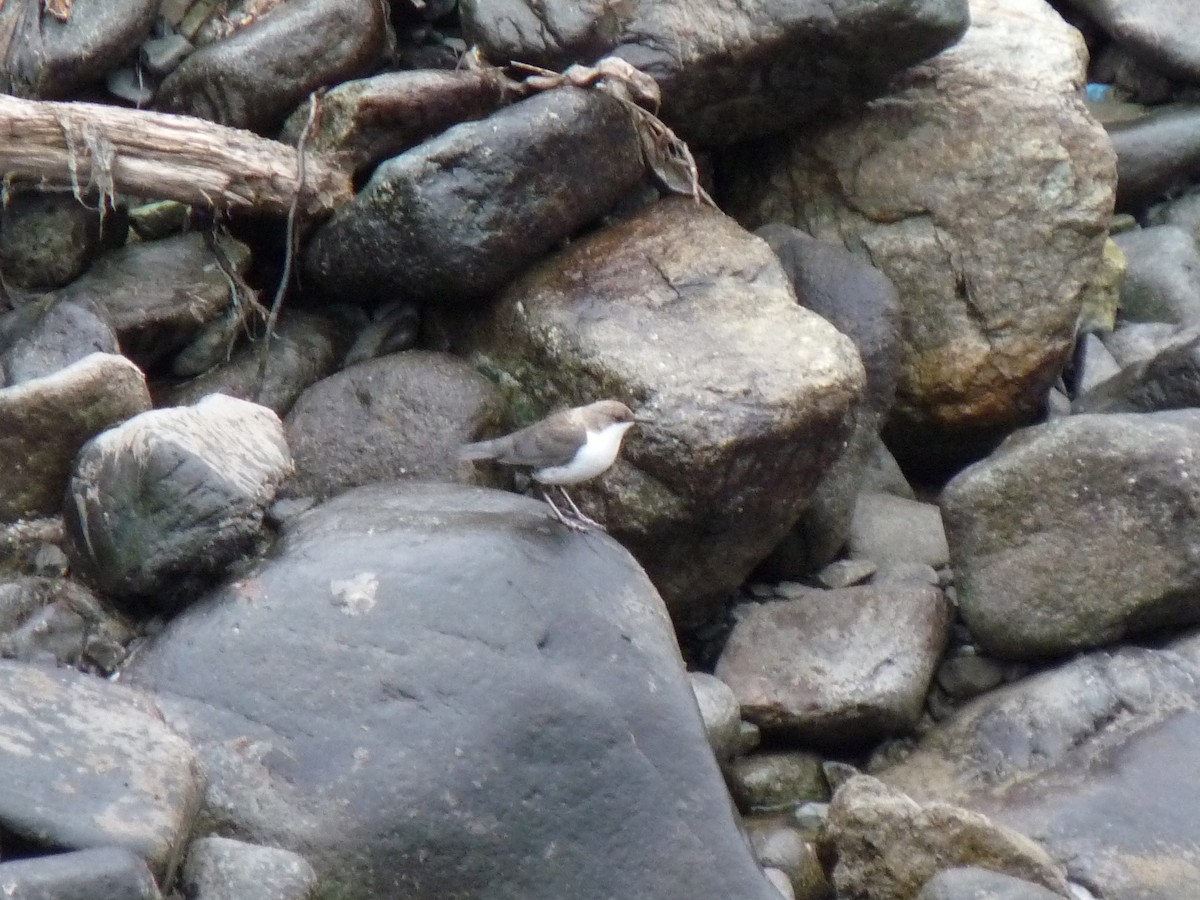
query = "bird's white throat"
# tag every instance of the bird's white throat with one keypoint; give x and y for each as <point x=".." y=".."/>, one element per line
<point x="592" y="457"/>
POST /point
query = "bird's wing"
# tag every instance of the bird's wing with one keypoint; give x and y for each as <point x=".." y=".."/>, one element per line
<point x="543" y="447"/>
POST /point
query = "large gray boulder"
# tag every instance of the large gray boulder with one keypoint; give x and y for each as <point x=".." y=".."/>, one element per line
<point x="437" y="691"/>
<point x="992" y="254"/>
<point x="692" y="320"/>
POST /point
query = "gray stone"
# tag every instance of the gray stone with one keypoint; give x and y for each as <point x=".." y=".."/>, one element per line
<point x="91" y="764"/>
<point x="400" y="416"/>
<point x="842" y="668"/>
<point x="46" y="238"/>
<point x="105" y="873"/>
<point x="458" y="216"/>
<point x="775" y="782"/>
<point x="1078" y="532"/>
<point x="969" y="675"/>
<point x="1161" y="33"/>
<point x="254" y="78"/>
<point x="888" y="529"/>
<point x="156" y="295"/>
<point x="720" y="712"/>
<point x="1169" y="380"/>
<point x="845" y="573"/>
<point x="44" y="422"/>
<point x="972" y="883"/>
<point x="221" y="869"/>
<point x="865" y="816"/>
<point x="60" y="621"/>
<point x="1155" y="153"/>
<point x="727" y="72"/>
<point x="782" y="848"/>
<point x="1134" y="342"/>
<point x="1093" y="363"/>
<point x="169" y="499"/>
<point x="41" y="337"/>
<point x="471" y="682"/>
<point x="1162" y="279"/>
<point x="49" y="58"/>
<point x="691" y="319"/>
<point x="1031" y="192"/>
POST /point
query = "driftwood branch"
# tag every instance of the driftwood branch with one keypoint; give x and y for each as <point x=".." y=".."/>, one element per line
<point x="161" y="156"/>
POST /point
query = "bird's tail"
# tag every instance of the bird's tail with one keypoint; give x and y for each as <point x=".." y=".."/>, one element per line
<point x="481" y="450"/>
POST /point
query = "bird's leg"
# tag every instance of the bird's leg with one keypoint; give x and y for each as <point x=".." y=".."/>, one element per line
<point x="585" y="519"/>
<point x="573" y="524"/>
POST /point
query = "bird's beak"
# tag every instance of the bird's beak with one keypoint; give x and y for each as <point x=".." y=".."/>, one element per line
<point x="643" y="420"/>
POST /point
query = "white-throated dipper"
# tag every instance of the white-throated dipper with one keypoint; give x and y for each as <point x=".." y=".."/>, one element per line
<point x="566" y="447"/>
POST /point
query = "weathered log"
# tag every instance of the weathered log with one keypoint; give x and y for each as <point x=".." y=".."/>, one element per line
<point x="157" y="155"/>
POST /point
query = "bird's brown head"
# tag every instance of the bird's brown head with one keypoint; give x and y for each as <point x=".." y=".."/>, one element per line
<point x="613" y="412"/>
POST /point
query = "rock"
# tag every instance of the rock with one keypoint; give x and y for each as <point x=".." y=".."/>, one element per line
<point x="884" y="475"/>
<point x="44" y="336"/>
<point x="44" y="422"/>
<point x="845" y="573"/>
<point x="1094" y="365"/>
<point x="471" y="682"/>
<point x="21" y="543"/>
<point x="400" y="416"/>
<point x="157" y="295"/>
<point x="48" y="58"/>
<point x="1155" y="153"/>
<point x="457" y="217"/>
<point x="219" y="868"/>
<point x="780" y="882"/>
<point x="1101" y="298"/>
<point x="774" y="782"/>
<point x="972" y="883"/>
<point x="862" y="303"/>
<point x="373" y="119"/>
<point x="254" y="78"/>
<point x="917" y="841"/>
<point x="727" y="72"/>
<point x="306" y="348"/>
<point x="888" y="529"/>
<point x="168" y="500"/>
<point x="720" y="712"/>
<point x="1162" y="277"/>
<point x="1091" y="758"/>
<point x="1134" y="342"/>
<point x="91" y="764"/>
<point x="105" y="873"/>
<point x="1164" y="36"/>
<point x="683" y="313"/>
<point x="46" y="239"/>
<point x="783" y="849"/>
<point x="1031" y="192"/>
<point x="59" y="621"/>
<point x="393" y="327"/>
<point x="965" y="676"/>
<point x="840" y="668"/>
<point x="1170" y="380"/>
<point x="1077" y="533"/>
<point x="1182" y="212"/>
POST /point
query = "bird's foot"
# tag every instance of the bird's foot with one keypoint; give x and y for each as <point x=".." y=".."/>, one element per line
<point x="579" y="514"/>
<point x="575" y="519"/>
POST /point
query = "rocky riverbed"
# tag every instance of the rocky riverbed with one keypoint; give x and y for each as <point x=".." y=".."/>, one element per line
<point x="897" y="591"/>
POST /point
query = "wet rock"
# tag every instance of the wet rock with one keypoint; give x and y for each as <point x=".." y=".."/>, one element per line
<point x="1078" y="532"/>
<point x="1163" y="35"/>
<point x="157" y="295"/>
<point x="91" y="764"/>
<point x="47" y="56"/>
<point x="457" y="217"/>
<point x="168" y="500"/>
<point x="720" y="712"/>
<point x="105" y="873"/>
<point x="1090" y="759"/>
<point x="691" y="318"/>
<point x="862" y="303"/>
<point x="1170" y="380"/>
<point x="400" y="416"/>
<point x="44" y="422"/>
<point x="44" y="336"/>
<point x="59" y="621"/>
<point x="772" y="782"/>
<point x="46" y="238"/>
<point x="370" y="120"/>
<point x="889" y="529"/>
<point x="839" y="668"/>
<point x="972" y="883"/>
<point x="1031" y="192"/>
<point x="727" y="72"/>
<point x="866" y="815"/>
<point x="1155" y="153"/>
<point x="471" y="682"/>
<point x="254" y="78"/>
<point x="782" y="848"/>
<point x="218" y="868"/>
<point x="1162" y="279"/>
<point x="306" y="348"/>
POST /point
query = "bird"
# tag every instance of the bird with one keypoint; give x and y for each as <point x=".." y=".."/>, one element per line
<point x="566" y="447"/>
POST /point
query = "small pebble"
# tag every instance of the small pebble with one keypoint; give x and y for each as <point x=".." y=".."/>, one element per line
<point x="846" y="572"/>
